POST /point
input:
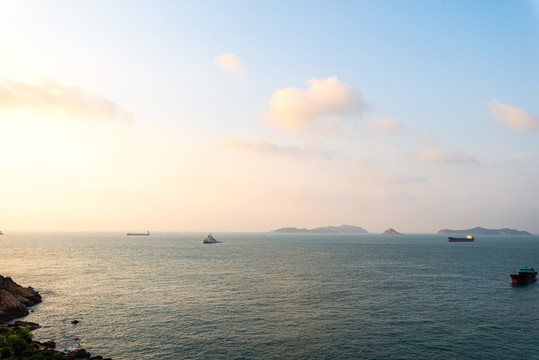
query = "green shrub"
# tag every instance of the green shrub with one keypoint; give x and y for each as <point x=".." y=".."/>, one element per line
<point x="17" y="345"/>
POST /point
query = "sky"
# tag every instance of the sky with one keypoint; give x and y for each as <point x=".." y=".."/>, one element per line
<point x="254" y="115"/>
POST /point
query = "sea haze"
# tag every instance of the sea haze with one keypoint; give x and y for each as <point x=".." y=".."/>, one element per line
<point x="275" y="296"/>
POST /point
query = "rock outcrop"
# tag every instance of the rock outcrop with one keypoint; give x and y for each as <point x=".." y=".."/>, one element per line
<point x="19" y="325"/>
<point x="14" y="299"/>
<point x="391" y="231"/>
<point x="82" y="354"/>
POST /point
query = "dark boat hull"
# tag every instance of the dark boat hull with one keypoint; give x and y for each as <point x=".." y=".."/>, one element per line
<point x="518" y="279"/>
<point x="452" y="239"/>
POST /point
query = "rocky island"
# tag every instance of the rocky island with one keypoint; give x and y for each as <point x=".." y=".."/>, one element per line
<point x="482" y="231"/>
<point x="343" y="229"/>
<point x="391" y="231"/>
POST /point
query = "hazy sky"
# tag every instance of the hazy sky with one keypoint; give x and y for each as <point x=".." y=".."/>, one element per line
<point x="254" y="115"/>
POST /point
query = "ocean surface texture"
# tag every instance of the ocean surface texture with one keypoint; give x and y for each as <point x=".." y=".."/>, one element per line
<point x="280" y="296"/>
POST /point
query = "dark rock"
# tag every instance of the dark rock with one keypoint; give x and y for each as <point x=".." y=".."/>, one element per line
<point x="75" y="322"/>
<point x="49" y="344"/>
<point x="14" y="299"/>
<point x="19" y="324"/>
<point x="78" y="354"/>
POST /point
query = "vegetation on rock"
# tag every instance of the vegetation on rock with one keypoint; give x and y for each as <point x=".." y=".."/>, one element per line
<point x="18" y="345"/>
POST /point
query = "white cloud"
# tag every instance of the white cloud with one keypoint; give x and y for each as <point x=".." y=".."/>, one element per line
<point x="386" y="125"/>
<point x="322" y="104"/>
<point x="48" y="94"/>
<point x="230" y="63"/>
<point x="515" y="117"/>
<point x="257" y="145"/>
<point x="439" y="156"/>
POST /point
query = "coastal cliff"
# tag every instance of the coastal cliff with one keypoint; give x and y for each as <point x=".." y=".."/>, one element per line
<point x="14" y="299"/>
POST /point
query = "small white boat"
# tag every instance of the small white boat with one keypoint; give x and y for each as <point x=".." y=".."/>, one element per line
<point x="210" y="240"/>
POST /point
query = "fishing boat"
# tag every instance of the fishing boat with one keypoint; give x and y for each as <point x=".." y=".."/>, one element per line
<point x="147" y="233"/>
<point x="460" y="239"/>
<point x="524" y="276"/>
<point x="210" y="240"/>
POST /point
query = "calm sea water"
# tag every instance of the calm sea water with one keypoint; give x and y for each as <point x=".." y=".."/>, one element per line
<point x="271" y="296"/>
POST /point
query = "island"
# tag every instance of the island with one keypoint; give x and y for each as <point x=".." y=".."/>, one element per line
<point x="483" y="231"/>
<point x="343" y="229"/>
<point x="391" y="231"/>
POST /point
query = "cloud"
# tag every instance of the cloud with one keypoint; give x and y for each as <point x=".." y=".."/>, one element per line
<point x="389" y="194"/>
<point x="515" y="117"/>
<point x="230" y="63"/>
<point x="427" y="137"/>
<point x="439" y="156"/>
<point x="360" y="161"/>
<point x="257" y="145"/>
<point x="48" y="94"/>
<point x="322" y="104"/>
<point x="386" y="125"/>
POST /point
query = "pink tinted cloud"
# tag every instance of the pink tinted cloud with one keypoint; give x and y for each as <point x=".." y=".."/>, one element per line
<point x="438" y="156"/>
<point x="230" y="63"/>
<point x="48" y="94"/>
<point x="323" y="103"/>
<point x="386" y="125"/>
<point x="257" y="145"/>
<point x="515" y="117"/>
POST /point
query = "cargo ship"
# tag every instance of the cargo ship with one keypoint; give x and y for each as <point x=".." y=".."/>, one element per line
<point x="147" y="233"/>
<point x="524" y="276"/>
<point x="458" y="239"/>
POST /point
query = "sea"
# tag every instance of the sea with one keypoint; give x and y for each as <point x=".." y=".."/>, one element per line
<point x="279" y="296"/>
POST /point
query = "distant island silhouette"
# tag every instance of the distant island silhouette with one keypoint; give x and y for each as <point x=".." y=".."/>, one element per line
<point x="482" y="231"/>
<point x="391" y="231"/>
<point x="343" y="229"/>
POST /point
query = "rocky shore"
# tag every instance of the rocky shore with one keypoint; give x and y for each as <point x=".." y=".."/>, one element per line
<point x="14" y="303"/>
<point x="15" y="299"/>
